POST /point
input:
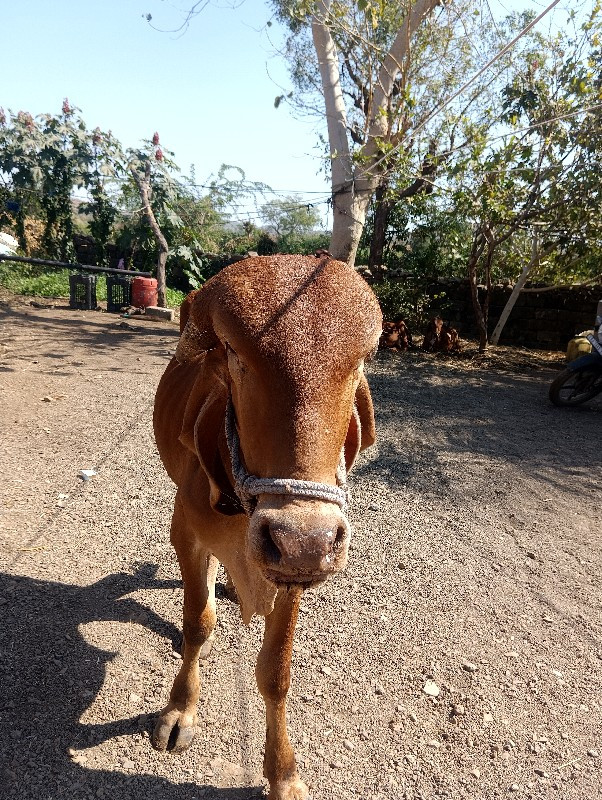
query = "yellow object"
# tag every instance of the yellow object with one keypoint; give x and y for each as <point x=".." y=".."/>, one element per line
<point x="579" y="346"/>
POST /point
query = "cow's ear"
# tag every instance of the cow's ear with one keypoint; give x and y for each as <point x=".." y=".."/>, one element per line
<point x="196" y="328"/>
<point x="362" y="428"/>
<point x="203" y="430"/>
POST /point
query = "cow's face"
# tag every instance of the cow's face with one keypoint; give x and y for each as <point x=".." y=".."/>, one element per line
<point x="295" y="365"/>
<point x="290" y="430"/>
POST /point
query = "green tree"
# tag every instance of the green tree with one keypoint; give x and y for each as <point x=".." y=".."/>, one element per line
<point x="43" y="162"/>
<point x="293" y="224"/>
<point x="152" y="171"/>
<point x="64" y="157"/>
<point x="390" y="76"/>
<point x="20" y="143"/>
<point x="361" y="64"/>
<point x="533" y="184"/>
<point x="105" y="165"/>
<point x="289" y="215"/>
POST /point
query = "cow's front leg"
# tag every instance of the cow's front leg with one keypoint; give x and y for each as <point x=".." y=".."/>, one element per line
<point x="175" y="727"/>
<point x="273" y="673"/>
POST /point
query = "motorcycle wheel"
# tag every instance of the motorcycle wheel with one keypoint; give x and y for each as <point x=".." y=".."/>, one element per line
<point x="573" y="387"/>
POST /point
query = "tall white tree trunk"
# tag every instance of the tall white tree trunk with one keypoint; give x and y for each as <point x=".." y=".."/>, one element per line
<point x="353" y="186"/>
<point x="349" y="210"/>
<point x="348" y="221"/>
<point x="518" y="286"/>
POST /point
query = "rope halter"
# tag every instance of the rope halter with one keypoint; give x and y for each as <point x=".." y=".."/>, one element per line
<point x="248" y="487"/>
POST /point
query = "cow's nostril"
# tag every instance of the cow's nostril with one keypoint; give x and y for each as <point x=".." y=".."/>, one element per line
<point x="270" y="549"/>
<point x="340" y="538"/>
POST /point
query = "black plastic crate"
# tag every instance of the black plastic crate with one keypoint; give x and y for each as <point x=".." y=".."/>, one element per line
<point x="82" y="292"/>
<point x="119" y="293"/>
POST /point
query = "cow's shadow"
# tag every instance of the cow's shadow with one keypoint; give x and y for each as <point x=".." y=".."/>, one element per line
<point x="49" y="676"/>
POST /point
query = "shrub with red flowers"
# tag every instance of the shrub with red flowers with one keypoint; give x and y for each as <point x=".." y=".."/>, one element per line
<point x="20" y="146"/>
<point x="25" y="119"/>
<point x="63" y="162"/>
<point x="106" y="163"/>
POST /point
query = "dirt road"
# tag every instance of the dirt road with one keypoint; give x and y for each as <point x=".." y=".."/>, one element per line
<point x="459" y="655"/>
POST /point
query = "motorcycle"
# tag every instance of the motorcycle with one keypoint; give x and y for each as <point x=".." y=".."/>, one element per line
<point x="581" y="380"/>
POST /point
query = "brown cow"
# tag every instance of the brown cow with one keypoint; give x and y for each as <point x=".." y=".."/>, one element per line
<point x="395" y="336"/>
<point x="449" y="340"/>
<point x="440" y="337"/>
<point x="257" y="419"/>
<point x="431" y="335"/>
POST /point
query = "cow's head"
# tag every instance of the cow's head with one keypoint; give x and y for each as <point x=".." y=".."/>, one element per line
<point x="285" y="339"/>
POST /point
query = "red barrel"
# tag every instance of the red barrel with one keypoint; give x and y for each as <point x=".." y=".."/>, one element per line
<point x="144" y="292"/>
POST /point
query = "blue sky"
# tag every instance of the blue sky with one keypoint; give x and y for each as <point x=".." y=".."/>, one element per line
<point x="209" y="93"/>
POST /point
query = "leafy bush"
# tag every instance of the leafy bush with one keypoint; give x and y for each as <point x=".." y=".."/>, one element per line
<point x="304" y="244"/>
<point x="175" y="297"/>
<point x="409" y="301"/>
<point x="39" y="281"/>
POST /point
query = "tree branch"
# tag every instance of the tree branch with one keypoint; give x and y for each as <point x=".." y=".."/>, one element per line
<point x="395" y="58"/>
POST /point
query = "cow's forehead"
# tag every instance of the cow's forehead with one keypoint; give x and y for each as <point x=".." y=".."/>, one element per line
<point x="318" y="305"/>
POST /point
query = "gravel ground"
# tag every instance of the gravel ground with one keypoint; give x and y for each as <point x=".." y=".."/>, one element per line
<point x="459" y="655"/>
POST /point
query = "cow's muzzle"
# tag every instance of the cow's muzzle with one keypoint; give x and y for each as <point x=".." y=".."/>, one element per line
<point x="298" y="541"/>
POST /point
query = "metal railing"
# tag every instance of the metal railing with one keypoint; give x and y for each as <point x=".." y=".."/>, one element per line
<point x="45" y="262"/>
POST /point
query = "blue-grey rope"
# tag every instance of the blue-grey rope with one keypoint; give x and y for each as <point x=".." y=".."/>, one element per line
<point x="248" y="487"/>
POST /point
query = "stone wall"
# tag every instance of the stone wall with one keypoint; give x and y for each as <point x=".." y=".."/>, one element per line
<point x="544" y="319"/>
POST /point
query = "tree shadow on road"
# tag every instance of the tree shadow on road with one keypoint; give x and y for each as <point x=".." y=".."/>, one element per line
<point x="49" y="676"/>
<point x="57" y="333"/>
<point x="443" y="415"/>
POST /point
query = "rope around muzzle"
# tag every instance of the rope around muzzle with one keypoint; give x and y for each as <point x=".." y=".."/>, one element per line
<point x="249" y="487"/>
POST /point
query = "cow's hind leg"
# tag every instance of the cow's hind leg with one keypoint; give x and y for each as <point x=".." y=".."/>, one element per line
<point x="273" y="673"/>
<point x="175" y="727"/>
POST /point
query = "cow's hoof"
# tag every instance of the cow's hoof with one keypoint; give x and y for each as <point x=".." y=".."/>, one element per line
<point x="173" y="732"/>
<point x="291" y="789"/>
